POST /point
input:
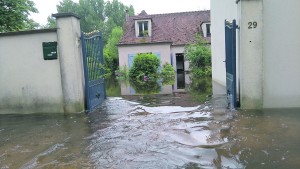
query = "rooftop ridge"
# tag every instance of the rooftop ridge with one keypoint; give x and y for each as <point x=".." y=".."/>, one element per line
<point x="149" y="15"/>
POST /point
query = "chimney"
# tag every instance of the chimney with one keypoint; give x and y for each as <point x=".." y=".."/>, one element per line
<point x="126" y="15"/>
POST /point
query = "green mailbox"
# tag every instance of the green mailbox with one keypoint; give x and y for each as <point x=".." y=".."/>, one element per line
<point x="50" y="50"/>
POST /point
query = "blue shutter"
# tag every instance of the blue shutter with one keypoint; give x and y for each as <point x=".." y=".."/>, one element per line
<point x="172" y="59"/>
<point x="130" y="60"/>
<point x="158" y="56"/>
<point x="131" y="90"/>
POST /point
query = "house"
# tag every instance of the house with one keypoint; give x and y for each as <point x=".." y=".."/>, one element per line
<point x="164" y="35"/>
<point x="267" y="51"/>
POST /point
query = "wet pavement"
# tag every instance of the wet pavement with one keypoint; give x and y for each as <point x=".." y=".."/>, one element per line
<point x="153" y="131"/>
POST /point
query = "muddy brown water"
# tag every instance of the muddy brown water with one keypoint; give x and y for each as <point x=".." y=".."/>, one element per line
<point x="153" y="132"/>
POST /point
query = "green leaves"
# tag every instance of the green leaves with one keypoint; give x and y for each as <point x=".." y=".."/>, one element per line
<point x="14" y="15"/>
<point x="111" y="55"/>
<point x="168" y="74"/>
<point x="145" y="67"/>
<point x="97" y="14"/>
<point x="199" y="56"/>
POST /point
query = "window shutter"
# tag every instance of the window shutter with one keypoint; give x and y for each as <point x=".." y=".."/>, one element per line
<point x="130" y="60"/>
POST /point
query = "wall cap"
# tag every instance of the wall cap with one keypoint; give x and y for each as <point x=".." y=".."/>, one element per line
<point x="25" y="32"/>
<point x="65" y="14"/>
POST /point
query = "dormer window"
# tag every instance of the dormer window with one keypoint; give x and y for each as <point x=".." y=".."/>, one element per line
<point x="143" y="28"/>
<point x="206" y="29"/>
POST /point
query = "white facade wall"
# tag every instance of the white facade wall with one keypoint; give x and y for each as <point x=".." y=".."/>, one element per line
<point x="220" y="10"/>
<point x="28" y="82"/>
<point x="281" y="53"/>
<point x="162" y="48"/>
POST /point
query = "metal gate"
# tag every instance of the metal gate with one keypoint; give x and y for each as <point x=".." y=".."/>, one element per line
<point x="230" y="48"/>
<point x="93" y="61"/>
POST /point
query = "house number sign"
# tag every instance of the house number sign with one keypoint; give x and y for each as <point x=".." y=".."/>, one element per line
<point x="252" y="25"/>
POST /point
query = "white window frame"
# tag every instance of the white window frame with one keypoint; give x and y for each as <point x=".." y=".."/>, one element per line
<point x="204" y="28"/>
<point x="137" y="27"/>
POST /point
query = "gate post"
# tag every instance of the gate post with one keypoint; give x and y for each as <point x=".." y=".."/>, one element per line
<point x="86" y="80"/>
<point x="68" y="32"/>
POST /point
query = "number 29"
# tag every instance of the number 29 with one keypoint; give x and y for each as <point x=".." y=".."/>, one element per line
<point x="252" y="25"/>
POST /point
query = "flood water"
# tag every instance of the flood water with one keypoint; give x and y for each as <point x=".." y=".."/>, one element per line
<point x="166" y="131"/>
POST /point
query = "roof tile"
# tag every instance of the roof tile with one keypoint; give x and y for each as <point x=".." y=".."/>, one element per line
<point x="177" y="28"/>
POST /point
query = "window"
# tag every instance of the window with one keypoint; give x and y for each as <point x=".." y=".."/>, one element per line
<point x="143" y="29"/>
<point x="208" y="30"/>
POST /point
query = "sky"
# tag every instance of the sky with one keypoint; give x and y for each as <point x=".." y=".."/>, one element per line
<point x="47" y="7"/>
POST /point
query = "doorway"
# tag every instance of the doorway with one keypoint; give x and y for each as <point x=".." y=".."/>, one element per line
<point x="179" y="62"/>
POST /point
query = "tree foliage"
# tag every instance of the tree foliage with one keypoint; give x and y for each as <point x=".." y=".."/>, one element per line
<point x="168" y="74"/>
<point x="14" y="15"/>
<point x="199" y="56"/>
<point x="51" y="23"/>
<point x="97" y="14"/>
<point x="111" y="50"/>
<point x="145" y="67"/>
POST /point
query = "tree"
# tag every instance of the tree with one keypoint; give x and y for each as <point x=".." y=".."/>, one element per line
<point x="111" y="55"/>
<point x="14" y="15"/>
<point x="91" y="13"/>
<point x="116" y="11"/>
<point x="51" y="22"/>
<point x="199" y="56"/>
<point x="67" y="6"/>
<point x="97" y="15"/>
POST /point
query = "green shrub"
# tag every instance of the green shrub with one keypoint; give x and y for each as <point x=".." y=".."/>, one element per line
<point x="168" y="74"/>
<point x="199" y="56"/>
<point x="122" y="73"/>
<point x="168" y="71"/>
<point x="144" y="65"/>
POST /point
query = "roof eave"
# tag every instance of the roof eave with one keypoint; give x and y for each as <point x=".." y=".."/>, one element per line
<point x="144" y="43"/>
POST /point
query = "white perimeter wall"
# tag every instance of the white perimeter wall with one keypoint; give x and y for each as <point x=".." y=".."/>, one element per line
<point x="28" y="82"/>
<point x="220" y="10"/>
<point x="281" y="53"/>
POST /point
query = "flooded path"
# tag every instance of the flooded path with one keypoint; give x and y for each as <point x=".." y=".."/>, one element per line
<point x="155" y="131"/>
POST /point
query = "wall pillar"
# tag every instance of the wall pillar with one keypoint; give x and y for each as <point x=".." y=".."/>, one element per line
<point x="251" y="54"/>
<point x="70" y="52"/>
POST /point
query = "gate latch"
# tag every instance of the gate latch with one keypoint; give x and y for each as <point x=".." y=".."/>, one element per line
<point x="98" y="95"/>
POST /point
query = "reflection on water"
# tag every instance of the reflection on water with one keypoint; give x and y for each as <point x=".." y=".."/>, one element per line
<point x="43" y="141"/>
<point x="180" y="80"/>
<point x="179" y="84"/>
<point x="266" y="139"/>
<point x="161" y="135"/>
<point x="113" y="88"/>
<point x="155" y="131"/>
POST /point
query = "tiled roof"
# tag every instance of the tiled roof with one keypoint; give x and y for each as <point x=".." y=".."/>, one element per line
<point x="176" y="28"/>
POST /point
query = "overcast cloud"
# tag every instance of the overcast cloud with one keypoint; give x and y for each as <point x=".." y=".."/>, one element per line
<point x="47" y="7"/>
